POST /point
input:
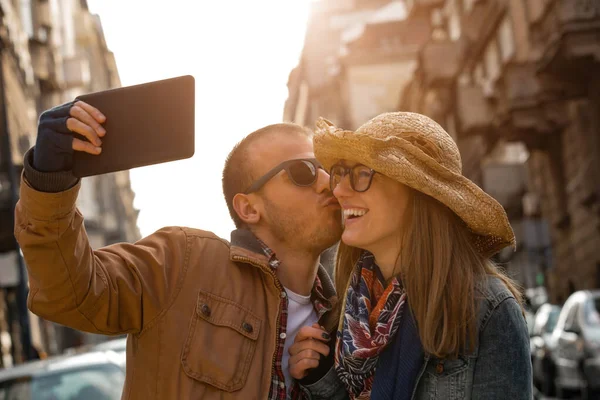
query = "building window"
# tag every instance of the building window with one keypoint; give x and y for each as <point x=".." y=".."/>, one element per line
<point x="439" y="30"/>
<point x="492" y="61"/>
<point x="452" y="19"/>
<point x="571" y="324"/>
<point x="26" y="18"/>
<point x="43" y="34"/>
<point x="454" y="26"/>
<point x="506" y="39"/>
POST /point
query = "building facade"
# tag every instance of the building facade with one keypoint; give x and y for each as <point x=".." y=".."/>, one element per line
<point x="52" y="51"/>
<point x="515" y="82"/>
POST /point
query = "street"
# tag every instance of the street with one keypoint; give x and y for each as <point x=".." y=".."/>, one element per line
<point x="539" y="396"/>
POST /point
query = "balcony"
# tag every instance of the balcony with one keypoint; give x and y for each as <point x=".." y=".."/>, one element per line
<point x="505" y="182"/>
<point x="521" y="86"/>
<point x="388" y="41"/>
<point x="529" y="108"/>
<point x="567" y="36"/>
<point x="77" y="72"/>
<point x="578" y="10"/>
<point x="44" y="64"/>
<point x="440" y="62"/>
<point x="41" y="59"/>
<point x="474" y="112"/>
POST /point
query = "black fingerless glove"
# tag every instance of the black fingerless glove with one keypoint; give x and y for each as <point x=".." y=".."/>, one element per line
<point x="54" y="143"/>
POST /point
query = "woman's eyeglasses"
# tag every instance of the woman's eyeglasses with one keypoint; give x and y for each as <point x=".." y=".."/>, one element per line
<point x="360" y="177"/>
<point x="302" y="172"/>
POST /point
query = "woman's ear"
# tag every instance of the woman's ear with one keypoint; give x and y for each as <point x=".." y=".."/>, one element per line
<point x="245" y="207"/>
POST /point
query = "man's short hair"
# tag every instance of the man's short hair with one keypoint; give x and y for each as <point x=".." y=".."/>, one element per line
<point x="238" y="173"/>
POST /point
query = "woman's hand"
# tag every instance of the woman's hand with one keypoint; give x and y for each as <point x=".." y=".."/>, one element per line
<point x="310" y="343"/>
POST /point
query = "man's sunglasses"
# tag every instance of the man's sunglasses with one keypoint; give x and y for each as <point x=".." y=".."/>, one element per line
<point x="302" y="172"/>
<point x="360" y="176"/>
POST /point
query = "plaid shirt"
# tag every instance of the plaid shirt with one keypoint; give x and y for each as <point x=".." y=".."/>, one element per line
<point x="321" y="304"/>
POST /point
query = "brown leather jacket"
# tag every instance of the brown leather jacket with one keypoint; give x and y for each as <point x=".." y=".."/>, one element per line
<point x="201" y="313"/>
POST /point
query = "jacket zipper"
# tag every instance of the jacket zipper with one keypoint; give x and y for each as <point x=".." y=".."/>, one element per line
<point x="279" y="287"/>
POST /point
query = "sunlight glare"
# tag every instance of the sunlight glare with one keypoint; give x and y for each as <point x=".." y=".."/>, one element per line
<point x="240" y="54"/>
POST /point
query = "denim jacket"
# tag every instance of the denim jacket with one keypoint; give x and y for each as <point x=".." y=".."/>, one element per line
<point x="499" y="368"/>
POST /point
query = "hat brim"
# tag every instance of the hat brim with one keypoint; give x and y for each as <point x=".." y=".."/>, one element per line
<point x="484" y="216"/>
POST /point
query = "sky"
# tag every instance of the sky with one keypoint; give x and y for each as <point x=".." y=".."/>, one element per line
<point x="240" y="53"/>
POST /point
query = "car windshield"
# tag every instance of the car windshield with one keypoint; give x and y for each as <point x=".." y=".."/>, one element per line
<point x="545" y="319"/>
<point x="101" y="382"/>
<point x="592" y="318"/>
<point x="552" y="319"/>
<point x="592" y="312"/>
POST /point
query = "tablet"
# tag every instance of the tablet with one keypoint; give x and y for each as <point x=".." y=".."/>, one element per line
<point x="145" y="124"/>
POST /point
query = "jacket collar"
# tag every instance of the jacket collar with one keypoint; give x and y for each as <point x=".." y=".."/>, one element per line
<point x="245" y="247"/>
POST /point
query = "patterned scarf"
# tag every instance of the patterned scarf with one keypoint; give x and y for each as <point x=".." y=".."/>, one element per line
<point x="371" y="318"/>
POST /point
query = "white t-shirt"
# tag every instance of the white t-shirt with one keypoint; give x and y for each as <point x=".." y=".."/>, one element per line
<point x="301" y="312"/>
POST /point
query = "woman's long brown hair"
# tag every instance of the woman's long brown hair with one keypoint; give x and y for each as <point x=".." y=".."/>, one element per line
<point x="440" y="269"/>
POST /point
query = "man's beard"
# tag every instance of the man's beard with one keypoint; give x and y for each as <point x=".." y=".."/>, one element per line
<point x="294" y="229"/>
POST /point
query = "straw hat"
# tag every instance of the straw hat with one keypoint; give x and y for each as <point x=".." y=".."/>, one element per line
<point x="416" y="151"/>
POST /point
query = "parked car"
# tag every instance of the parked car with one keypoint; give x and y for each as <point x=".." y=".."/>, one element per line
<point x="536" y="297"/>
<point x="116" y="345"/>
<point x="543" y="344"/>
<point x="96" y="375"/>
<point x="529" y="319"/>
<point x="577" y="353"/>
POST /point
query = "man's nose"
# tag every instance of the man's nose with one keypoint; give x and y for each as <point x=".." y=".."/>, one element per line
<point x="322" y="183"/>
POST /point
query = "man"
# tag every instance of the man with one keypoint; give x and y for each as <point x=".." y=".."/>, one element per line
<point x="206" y="318"/>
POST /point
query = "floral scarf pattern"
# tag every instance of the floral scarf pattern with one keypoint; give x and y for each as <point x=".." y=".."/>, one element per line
<point x="371" y="316"/>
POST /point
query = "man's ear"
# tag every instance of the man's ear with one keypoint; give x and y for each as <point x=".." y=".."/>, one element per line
<point x="246" y="208"/>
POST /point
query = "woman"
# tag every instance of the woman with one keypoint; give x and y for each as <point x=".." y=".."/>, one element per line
<point x="425" y="313"/>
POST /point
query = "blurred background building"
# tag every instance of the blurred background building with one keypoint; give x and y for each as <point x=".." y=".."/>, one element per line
<point x="50" y="52"/>
<point x="515" y="82"/>
<point x="517" y="85"/>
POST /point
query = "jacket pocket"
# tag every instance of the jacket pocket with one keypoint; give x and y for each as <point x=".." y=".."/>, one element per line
<point x="221" y="342"/>
<point x="445" y="379"/>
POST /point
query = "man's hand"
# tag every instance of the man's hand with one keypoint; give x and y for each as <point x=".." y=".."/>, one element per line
<point x="55" y="142"/>
<point x="309" y="345"/>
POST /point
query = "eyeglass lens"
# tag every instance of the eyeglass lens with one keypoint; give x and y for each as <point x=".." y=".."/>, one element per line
<point x="360" y="177"/>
